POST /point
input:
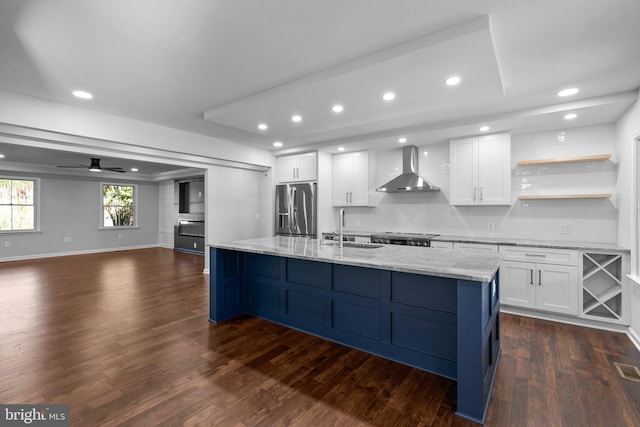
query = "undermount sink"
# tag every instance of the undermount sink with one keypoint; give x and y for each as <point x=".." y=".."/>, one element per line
<point x="362" y="245"/>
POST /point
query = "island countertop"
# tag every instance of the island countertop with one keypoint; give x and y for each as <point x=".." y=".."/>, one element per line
<point x="455" y="264"/>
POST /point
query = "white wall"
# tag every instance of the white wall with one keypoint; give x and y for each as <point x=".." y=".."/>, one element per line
<point x="628" y="129"/>
<point x="70" y="207"/>
<point x="591" y="220"/>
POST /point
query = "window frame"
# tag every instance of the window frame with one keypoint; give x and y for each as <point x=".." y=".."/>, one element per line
<point x="36" y="204"/>
<point x="135" y="206"/>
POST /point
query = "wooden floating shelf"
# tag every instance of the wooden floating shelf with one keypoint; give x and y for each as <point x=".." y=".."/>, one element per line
<point x="563" y="196"/>
<point x="578" y="159"/>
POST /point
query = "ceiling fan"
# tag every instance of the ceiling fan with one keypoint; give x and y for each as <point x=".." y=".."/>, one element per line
<point x="94" y="167"/>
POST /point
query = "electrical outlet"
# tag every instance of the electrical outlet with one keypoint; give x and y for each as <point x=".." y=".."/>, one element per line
<point x="257" y="217"/>
<point x="119" y="236"/>
<point x="7" y="244"/>
<point x="491" y="226"/>
<point x="357" y="223"/>
<point x="67" y="239"/>
<point x="565" y="229"/>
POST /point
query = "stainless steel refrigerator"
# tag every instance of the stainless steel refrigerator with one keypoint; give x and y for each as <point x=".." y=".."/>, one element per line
<point x="296" y="209"/>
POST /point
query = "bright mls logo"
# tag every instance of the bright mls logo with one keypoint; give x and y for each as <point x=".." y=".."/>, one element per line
<point x="36" y="415"/>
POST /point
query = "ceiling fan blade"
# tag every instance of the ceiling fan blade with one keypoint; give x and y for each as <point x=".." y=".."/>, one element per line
<point x="114" y="170"/>
<point x="73" y="167"/>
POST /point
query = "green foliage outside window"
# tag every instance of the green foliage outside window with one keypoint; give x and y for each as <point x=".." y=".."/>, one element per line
<point x="118" y="205"/>
<point x="17" y="204"/>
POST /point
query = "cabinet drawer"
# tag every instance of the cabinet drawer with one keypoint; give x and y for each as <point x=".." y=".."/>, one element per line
<point x="479" y="247"/>
<point x="540" y="255"/>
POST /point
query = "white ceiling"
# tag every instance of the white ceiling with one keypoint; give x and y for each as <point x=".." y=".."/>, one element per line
<point x="220" y="67"/>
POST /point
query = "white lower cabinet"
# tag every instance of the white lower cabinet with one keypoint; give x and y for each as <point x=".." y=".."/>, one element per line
<point x="540" y="286"/>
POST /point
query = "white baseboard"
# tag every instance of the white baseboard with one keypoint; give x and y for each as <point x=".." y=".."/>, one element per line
<point x="633" y="336"/>
<point x="88" y="251"/>
<point x="576" y="321"/>
<point x="205" y="271"/>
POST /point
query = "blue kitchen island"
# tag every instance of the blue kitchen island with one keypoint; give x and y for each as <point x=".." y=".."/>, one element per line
<point x="433" y="309"/>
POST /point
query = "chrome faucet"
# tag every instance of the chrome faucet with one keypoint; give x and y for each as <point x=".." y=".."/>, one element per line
<point x="340" y="245"/>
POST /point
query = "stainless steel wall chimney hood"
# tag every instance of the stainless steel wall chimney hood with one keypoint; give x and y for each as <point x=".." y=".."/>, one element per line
<point x="409" y="181"/>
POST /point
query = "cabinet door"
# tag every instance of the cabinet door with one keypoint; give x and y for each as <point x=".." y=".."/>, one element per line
<point x="287" y="168"/>
<point x="517" y="284"/>
<point x="557" y="288"/>
<point x="464" y="175"/>
<point x="341" y="179"/>
<point x="359" y="179"/>
<point x="494" y="170"/>
<point x="307" y="167"/>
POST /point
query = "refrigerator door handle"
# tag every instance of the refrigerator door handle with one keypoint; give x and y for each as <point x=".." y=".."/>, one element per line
<point x="294" y="208"/>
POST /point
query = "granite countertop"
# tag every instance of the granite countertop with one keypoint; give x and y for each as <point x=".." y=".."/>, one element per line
<point x="480" y="267"/>
<point x="582" y="246"/>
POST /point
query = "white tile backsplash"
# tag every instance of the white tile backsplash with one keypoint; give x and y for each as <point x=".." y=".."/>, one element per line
<point x="591" y="220"/>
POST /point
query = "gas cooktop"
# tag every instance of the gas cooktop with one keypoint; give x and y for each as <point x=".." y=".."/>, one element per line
<point x="409" y="239"/>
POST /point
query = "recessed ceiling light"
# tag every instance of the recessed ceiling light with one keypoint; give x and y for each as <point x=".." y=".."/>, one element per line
<point x="1" y="156"/>
<point x="337" y="108"/>
<point x="340" y="148"/>
<point x="570" y="116"/>
<point x="134" y="169"/>
<point x="402" y="140"/>
<point x="296" y="118"/>
<point x="568" y="92"/>
<point x="484" y="128"/>
<point x="262" y="126"/>
<point x="453" y="80"/>
<point x="82" y="94"/>
<point x="277" y="144"/>
<point x="389" y="96"/>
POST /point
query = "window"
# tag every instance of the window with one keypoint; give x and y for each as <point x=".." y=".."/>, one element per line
<point x="118" y="205"/>
<point x="18" y="207"/>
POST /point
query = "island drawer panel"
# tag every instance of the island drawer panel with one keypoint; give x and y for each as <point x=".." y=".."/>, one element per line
<point x="356" y="319"/>
<point x="308" y="273"/>
<point x="304" y="306"/>
<point x="424" y="335"/>
<point x="266" y="266"/>
<point x="437" y="293"/>
<point x="359" y="281"/>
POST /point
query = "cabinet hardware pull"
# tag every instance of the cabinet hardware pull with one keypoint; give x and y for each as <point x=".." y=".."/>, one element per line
<point x="481" y="188"/>
<point x="346" y="197"/>
<point x="536" y="255"/>
<point x="350" y="197"/>
<point x="531" y="271"/>
<point x="475" y="193"/>
<point x="539" y="277"/>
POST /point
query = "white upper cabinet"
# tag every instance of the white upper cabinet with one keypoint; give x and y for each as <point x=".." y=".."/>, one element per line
<point x="299" y="167"/>
<point x="481" y="170"/>
<point x="352" y="174"/>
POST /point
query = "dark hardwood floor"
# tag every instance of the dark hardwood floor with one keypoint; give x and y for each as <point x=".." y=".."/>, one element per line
<point x="123" y="337"/>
